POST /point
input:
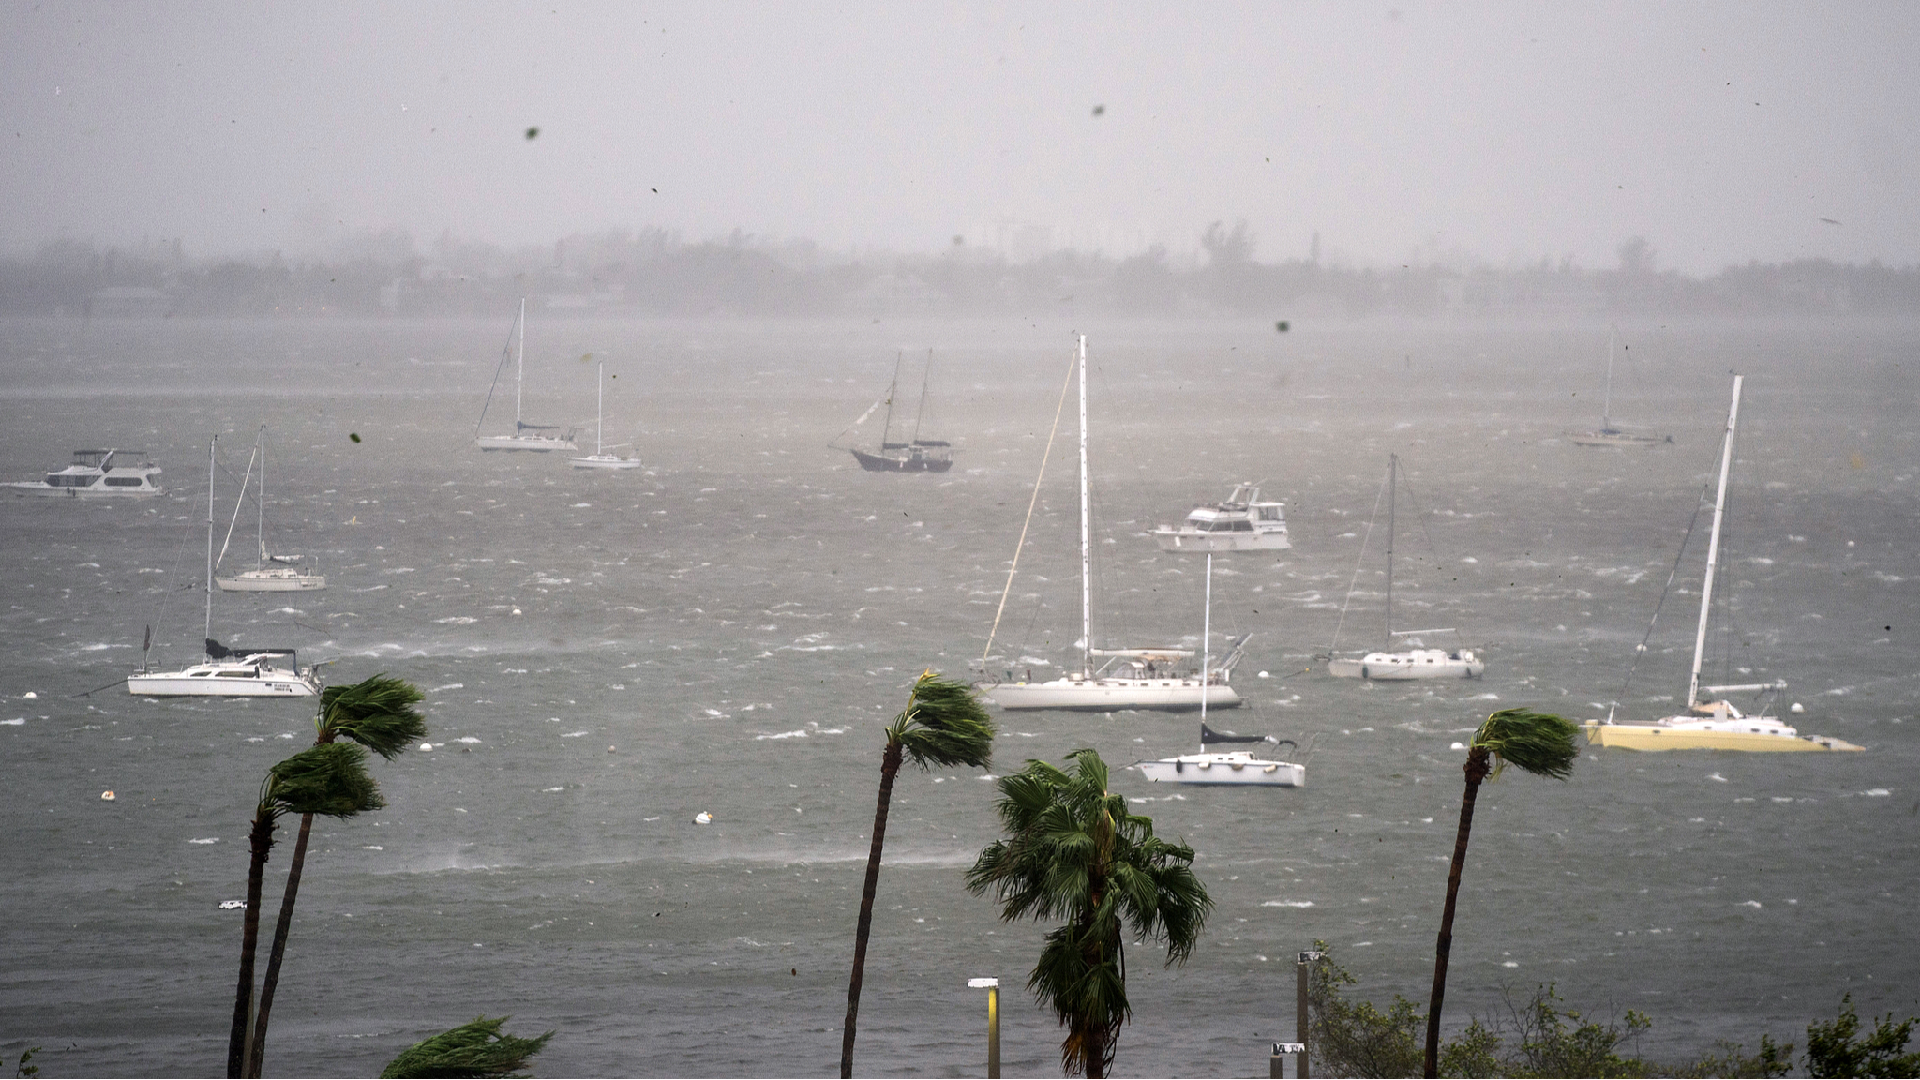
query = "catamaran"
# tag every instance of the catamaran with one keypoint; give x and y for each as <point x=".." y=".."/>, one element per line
<point x="525" y="436"/>
<point x="227" y="672"/>
<point x="275" y="573"/>
<point x="1408" y="664"/>
<point x="1712" y="724"/>
<point x="1149" y="678"/>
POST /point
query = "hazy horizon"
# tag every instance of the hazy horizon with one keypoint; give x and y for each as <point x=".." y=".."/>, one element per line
<point x="1499" y="134"/>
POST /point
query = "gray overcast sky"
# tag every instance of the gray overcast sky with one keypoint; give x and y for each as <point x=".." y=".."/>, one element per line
<point x="1720" y="132"/>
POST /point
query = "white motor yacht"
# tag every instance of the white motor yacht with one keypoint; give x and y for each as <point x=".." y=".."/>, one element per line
<point x="97" y="473"/>
<point x="1241" y="523"/>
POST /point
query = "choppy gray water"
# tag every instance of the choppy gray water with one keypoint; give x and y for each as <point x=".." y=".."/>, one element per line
<point x="739" y="620"/>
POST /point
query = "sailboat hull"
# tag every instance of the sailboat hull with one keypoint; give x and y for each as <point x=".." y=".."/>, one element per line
<point x="925" y="463"/>
<point x="273" y="581"/>
<point x="1110" y="695"/>
<point x="535" y="444"/>
<point x="223" y="680"/>
<point x="1409" y="666"/>
<point x="605" y="461"/>
<point x="1224" y="770"/>
<point x="1664" y="737"/>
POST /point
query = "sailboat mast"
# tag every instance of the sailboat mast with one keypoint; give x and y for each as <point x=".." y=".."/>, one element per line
<point x="520" y="365"/>
<point x="207" y="630"/>
<point x="920" y="415"/>
<point x="599" y="404"/>
<point x="1206" y="641"/>
<point x="1713" y="545"/>
<point x="893" y="388"/>
<point x="261" y="506"/>
<point x="1086" y="534"/>
<point x="1393" y="480"/>
<point x="1606" y="401"/>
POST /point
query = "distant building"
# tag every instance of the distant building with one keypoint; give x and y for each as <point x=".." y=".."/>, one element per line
<point x="129" y="302"/>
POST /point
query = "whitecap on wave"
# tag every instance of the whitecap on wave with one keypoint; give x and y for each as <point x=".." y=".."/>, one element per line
<point x="1288" y="903"/>
<point x="458" y="620"/>
<point x="448" y="686"/>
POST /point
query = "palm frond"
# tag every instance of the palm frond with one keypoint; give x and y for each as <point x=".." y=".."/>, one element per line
<point x="378" y="713"/>
<point x="1536" y="742"/>
<point x="944" y="724"/>
<point x="330" y="780"/>
<point x="478" y="1049"/>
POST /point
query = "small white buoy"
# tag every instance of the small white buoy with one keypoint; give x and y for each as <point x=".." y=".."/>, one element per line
<point x="107" y="795"/>
<point x="426" y="746"/>
<point x="1263" y="675"/>
<point x="233" y="905"/>
<point x="516" y="611"/>
<point x="1799" y="708"/>
<point x="703" y="818"/>
<point x="610" y="750"/>
<point x="29" y="695"/>
<point x="1458" y="746"/>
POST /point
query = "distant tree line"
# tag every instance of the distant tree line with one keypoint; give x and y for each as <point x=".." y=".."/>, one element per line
<point x="655" y="272"/>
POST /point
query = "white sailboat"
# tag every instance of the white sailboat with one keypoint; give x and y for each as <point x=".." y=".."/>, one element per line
<point x="1127" y="678"/>
<point x="1606" y="434"/>
<point x="1404" y="665"/>
<point x="1227" y="768"/>
<point x="1715" y="724"/>
<point x="600" y="459"/>
<point x="528" y="437"/>
<point x="227" y="672"/>
<point x="275" y="573"/>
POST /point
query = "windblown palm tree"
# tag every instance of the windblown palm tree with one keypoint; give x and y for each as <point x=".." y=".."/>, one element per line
<point x="330" y="780"/>
<point x="1539" y="743"/>
<point x="1073" y="851"/>
<point x="379" y="714"/>
<point x="943" y="724"/>
<point x="478" y="1049"/>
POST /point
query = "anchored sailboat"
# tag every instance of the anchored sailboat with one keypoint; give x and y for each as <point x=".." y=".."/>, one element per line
<point x="275" y="573"/>
<point x="525" y="436"/>
<point x="1606" y="434"/>
<point x="1716" y="724"/>
<point x="1407" y="664"/>
<point x="915" y="454"/>
<point x="1127" y="678"/>
<point x="600" y="459"/>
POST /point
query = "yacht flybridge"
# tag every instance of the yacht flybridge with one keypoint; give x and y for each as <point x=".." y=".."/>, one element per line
<point x="1712" y="724"/>
<point x="97" y="473"/>
<point x="226" y="672"/>
<point x="1241" y="523"/>
<point x="528" y="437"/>
<point x="1138" y="678"/>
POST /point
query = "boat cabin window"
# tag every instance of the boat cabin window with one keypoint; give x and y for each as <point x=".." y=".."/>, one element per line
<point x="64" y="480"/>
<point x="123" y="481"/>
<point x="1269" y="513"/>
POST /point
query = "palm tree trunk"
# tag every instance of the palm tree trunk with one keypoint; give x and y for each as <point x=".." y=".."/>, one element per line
<point x="889" y="768"/>
<point x="257" y="1046"/>
<point x="260" y="841"/>
<point x="1476" y="770"/>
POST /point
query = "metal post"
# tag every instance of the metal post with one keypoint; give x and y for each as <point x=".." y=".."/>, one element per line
<point x="993" y="1024"/>
<point x="1303" y="968"/>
